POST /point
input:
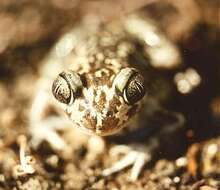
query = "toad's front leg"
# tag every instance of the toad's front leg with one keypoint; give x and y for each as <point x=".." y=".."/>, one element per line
<point x="43" y="125"/>
<point x="137" y="154"/>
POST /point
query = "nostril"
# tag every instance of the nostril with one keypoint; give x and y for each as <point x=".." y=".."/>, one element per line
<point x="109" y="113"/>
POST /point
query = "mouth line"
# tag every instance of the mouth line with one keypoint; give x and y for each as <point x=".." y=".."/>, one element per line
<point x="84" y="129"/>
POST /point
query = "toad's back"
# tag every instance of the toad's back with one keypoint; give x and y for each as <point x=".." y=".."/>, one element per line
<point x="105" y="73"/>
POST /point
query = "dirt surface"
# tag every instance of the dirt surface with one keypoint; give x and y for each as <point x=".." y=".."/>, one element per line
<point x="29" y="29"/>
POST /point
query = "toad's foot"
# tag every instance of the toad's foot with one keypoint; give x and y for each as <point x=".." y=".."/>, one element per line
<point x="135" y="155"/>
<point x="46" y="130"/>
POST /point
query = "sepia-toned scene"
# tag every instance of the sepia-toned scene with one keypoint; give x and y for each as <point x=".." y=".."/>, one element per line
<point x="109" y="95"/>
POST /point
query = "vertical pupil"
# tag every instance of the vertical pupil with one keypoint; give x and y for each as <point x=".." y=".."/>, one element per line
<point x="135" y="88"/>
<point x="61" y="90"/>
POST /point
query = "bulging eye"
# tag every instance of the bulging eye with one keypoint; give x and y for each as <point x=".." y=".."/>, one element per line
<point x="129" y="84"/>
<point x="66" y="87"/>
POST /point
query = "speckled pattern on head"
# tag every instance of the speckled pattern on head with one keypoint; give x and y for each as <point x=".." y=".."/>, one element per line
<point x="98" y="55"/>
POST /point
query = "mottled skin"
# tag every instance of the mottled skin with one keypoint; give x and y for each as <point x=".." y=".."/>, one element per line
<point x="98" y="108"/>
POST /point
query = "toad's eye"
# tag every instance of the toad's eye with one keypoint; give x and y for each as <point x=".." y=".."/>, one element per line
<point x="129" y="84"/>
<point x="66" y="87"/>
